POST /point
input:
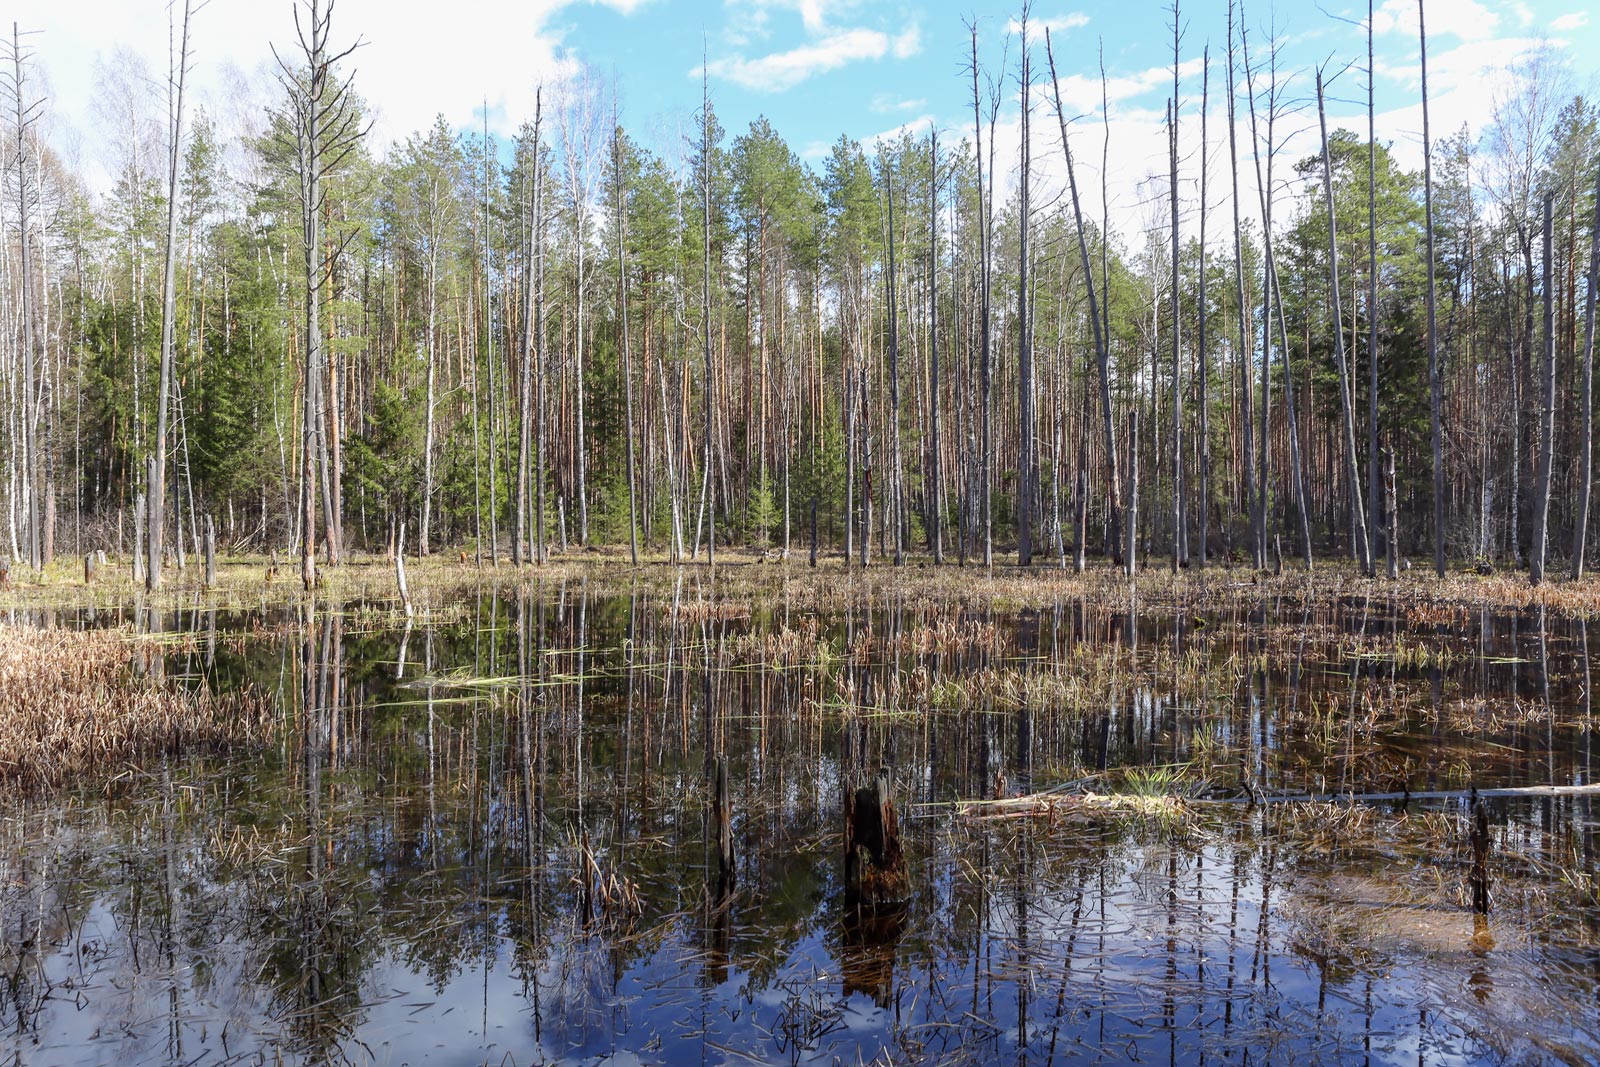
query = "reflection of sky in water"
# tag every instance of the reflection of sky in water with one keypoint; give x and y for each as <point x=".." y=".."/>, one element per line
<point x="139" y="930"/>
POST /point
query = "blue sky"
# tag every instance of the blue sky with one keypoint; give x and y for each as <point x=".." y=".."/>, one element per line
<point x="817" y="68"/>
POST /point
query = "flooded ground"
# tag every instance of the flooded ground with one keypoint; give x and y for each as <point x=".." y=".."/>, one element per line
<point x="481" y="837"/>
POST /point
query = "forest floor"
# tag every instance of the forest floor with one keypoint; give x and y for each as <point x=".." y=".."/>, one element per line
<point x="742" y="574"/>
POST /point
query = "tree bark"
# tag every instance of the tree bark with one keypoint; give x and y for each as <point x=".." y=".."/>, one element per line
<point x="1547" y="412"/>
<point x="1580" y="529"/>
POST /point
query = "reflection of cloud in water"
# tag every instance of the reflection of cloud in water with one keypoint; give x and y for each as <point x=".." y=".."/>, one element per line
<point x="450" y="925"/>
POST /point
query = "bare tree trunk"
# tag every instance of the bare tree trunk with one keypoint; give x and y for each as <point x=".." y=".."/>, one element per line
<point x="1346" y="403"/>
<point x="1394" y="515"/>
<point x="1547" y="413"/>
<point x="158" y="485"/>
<point x="986" y="445"/>
<point x="1101" y="342"/>
<point x="1177" y="314"/>
<point x="1204" y="493"/>
<point x="211" y="552"/>
<point x="1247" y="385"/>
<point x="1435" y="384"/>
<point x="892" y="483"/>
<point x="519" y="553"/>
<point x="1372" y="287"/>
<point x="1025" y="417"/>
<point x="705" y="306"/>
<point x="627" y="351"/>
<point x="1130" y="562"/>
<point x="1580" y="530"/>
<point x="488" y="330"/>
<point x="935" y="512"/>
<point x="1177" y="331"/>
<point x="32" y="343"/>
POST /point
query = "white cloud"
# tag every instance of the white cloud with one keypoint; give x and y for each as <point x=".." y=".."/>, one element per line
<point x="1574" y="20"/>
<point x="884" y="103"/>
<point x="784" y="70"/>
<point x="1081" y="92"/>
<point x="1073" y="20"/>
<point x="482" y="48"/>
<point x="908" y="43"/>
<point x="1465" y="19"/>
<point x="815" y="15"/>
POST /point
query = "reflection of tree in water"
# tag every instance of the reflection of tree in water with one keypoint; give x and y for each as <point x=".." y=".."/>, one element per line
<point x="318" y="920"/>
<point x="534" y="749"/>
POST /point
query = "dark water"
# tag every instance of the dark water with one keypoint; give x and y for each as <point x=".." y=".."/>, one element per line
<point x="482" y="838"/>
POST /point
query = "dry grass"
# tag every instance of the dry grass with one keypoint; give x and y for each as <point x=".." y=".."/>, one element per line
<point x="72" y="703"/>
<point x="747" y="577"/>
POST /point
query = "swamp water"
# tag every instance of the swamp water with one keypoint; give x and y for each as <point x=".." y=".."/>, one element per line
<point x="483" y="838"/>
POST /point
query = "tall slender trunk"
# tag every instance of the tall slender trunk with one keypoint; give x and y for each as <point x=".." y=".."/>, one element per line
<point x="705" y="305"/>
<point x="986" y="443"/>
<point x="1435" y="383"/>
<point x="1247" y="385"/>
<point x="1177" y="327"/>
<point x="935" y="511"/>
<point x="627" y="351"/>
<point x="1346" y="402"/>
<point x="158" y="488"/>
<point x="1547" y="411"/>
<point x="32" y="341"/>
<point x="1580" y="529"/>
<point x="892" y="482"/>
<point x="525" y="415"/>
<point x="1204" y="493"/>
<point x="1373" y="472"/>
<point x="1025" y="417"/>
<point x="1101" y="347"/>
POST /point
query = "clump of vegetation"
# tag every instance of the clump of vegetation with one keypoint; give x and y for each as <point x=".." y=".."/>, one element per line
<point x="73" y="703"/>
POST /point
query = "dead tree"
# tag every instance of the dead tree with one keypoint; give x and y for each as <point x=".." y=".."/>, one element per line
<point x="1025" y="413"/>
<point x="27" y="116"/>
<point x="1580" y="531"/>
<point x="519" y="552"/>
<point x="1346" y="402"/>
<point x="327" y="129"/>
<point x="627" y="351"/>
<point x="1435" y="384"/>
<point x="874" y="863"/>
<point x="1101" y="347"/>
<point x="158" y="486"/>
<point x="1547" y="414"/>
<point x="1177" y="328"/>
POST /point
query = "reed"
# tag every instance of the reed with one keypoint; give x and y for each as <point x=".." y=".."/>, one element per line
<point x="75" y="703"/>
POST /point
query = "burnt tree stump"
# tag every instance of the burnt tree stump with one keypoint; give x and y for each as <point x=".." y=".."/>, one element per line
<point x="722" y="823"/>
<point x="1478" y="880"/>
<point x="874" y="863"/>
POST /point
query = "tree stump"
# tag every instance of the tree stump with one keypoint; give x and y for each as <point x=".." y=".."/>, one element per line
<point x="1478" y="880"/>
<point x="211" y="552"/>
<point x="874" y="863"/>
<point x="722" y="824"/>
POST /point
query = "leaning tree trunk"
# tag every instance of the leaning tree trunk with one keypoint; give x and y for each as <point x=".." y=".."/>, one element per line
<point x="1101" y="347"/>
<point x="1346" y="402"/>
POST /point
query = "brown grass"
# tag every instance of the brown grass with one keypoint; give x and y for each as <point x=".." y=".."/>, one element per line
<point x="72" y="703"/>
<point x="749" y="580"/>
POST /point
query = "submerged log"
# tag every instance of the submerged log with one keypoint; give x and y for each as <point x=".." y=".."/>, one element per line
<point x="874" y="863"/>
